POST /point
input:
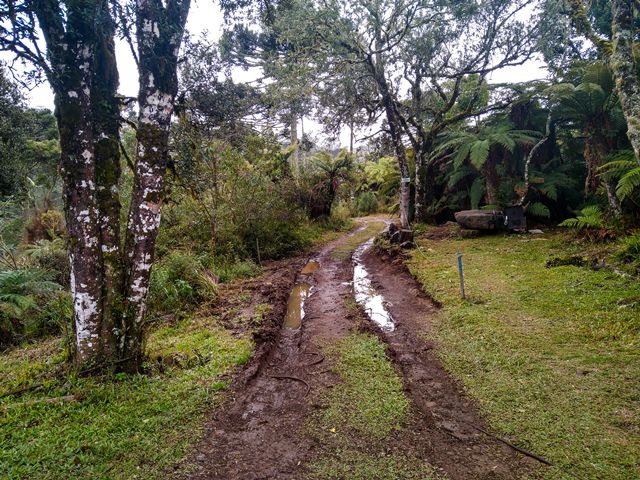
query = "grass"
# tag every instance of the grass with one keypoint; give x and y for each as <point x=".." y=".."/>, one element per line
<point x="121" y="427"/>
<point x="357" y="238"/>
<point x="361" y="413"/>
<point x="551" y="354"/>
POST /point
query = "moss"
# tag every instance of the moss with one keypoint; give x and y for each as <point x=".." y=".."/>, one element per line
<point x="121" y="427"/>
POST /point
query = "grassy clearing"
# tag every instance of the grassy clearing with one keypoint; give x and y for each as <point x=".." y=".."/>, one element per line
<point x="360" y="415"/>
<point x="346" y="248"/>
<point x="121" y="427"/>
<point x="550" y="353"/>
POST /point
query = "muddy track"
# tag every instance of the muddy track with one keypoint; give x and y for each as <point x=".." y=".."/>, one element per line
<point x="445" y="422"/>
<point x="260" y="432"/>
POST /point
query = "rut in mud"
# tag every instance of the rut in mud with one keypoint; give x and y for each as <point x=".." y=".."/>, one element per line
<point x="261" y="431"/>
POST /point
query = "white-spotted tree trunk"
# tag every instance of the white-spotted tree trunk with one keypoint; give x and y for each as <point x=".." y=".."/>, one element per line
<point x="71" y="48"/>
<point x="109" y="280"/>
<point x="159" y="35"/>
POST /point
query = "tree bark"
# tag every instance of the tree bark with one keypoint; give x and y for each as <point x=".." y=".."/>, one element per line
<point x="492" y="179"/>
<point x="106" y="129"/>
<point x="624" y="69"/>
<point x="159" y="30"/>
<point x="71" y="48"/>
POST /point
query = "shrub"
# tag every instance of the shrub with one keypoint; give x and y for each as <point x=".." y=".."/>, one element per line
<point x="366" y="203"/>
<point x="174" y="282"/>
<point x="51" y="256"/>
<point x="227" y="271"/>
<point x="630" y="252"/>
<point x="24" y="295"/>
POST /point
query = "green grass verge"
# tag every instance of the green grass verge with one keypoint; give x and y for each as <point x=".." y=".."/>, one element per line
<point x="551" y="354"/>
<point x="361" y="413"/>
<point x="122" y="427"/>
<point x="346" y="248"/>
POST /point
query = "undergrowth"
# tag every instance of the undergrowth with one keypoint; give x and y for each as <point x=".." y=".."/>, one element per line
<point x="120" y="426"/>
<point x="550" y="353"/>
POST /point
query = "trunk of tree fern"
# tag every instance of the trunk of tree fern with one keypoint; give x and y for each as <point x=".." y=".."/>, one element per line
<point x="624" y="69"/>
<point x="159" y="30"/>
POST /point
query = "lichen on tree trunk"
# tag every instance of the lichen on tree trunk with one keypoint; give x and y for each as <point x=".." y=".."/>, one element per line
<point x="159" y="33"/>
<point x="624" y="69"/>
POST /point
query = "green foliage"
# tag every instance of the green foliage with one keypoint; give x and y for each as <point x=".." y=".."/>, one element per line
<point x="324" y="179"/>
<point x="177" y="282"/>
<point x="589" y="218"/>
<point x="630" y="251"/>
<point x="538" y="209"/>
<point x="366" y="203"/>
<point x="624" y="167"/>
<point x="24" y="295"/>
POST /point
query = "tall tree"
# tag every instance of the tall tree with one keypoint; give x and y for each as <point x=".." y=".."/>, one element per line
<point x="422" y="58"/>
<point x="109" y="280"/>
<point x="612" y="33"/>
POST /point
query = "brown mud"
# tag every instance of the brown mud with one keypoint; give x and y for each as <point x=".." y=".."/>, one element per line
<point x="261" y="432"/>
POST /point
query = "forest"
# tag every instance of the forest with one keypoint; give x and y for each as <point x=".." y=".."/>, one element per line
<point x="325" y="239"/>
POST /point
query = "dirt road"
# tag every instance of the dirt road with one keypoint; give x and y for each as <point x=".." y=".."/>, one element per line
<point x="261" y="432"/>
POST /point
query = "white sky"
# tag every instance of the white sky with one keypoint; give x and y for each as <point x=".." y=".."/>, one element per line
<point x="205" y="16"/>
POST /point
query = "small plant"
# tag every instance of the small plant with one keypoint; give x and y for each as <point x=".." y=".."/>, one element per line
<point x="589" y="218"/>
<point x="366" y="203"/>
<point x="22" y="293"/>
<point x="592" y="224"/>
<point x="630" y="252"/>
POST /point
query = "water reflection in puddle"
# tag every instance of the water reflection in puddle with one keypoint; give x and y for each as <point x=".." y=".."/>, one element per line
<point x="366" y="295"/>
<point x="310" y="267"/>
<point x="295" y="306"/>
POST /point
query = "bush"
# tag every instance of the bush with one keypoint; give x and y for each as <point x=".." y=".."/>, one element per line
<point x="25" y="295"/>
<point x="630" y="252"/>
<point x="175" y="281"/>
<point x="366" y="203"/>
<point x="227" y="271"/>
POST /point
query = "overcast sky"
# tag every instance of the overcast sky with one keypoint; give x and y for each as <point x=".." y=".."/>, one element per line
<point x="205" y="16"/>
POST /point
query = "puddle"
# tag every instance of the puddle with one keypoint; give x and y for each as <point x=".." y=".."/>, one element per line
<point x="372" y="302"/>
<point x="295" y="306"/>
<point x="310" y="267"/>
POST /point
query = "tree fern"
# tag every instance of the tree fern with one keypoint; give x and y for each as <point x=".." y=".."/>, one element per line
<point x="476" y="192"/>
<point x="538" y="209"/>
<point x="623" y="166"/>
<point x="589" y="218"/>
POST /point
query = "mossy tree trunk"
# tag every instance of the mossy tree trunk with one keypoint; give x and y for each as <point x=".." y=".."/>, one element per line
<point x="624" y="69"/>
<point x="160" y="30"/>
<point x="72" y="48"/>
<point x="110" y="281"/>
<point x="106" y="127"/>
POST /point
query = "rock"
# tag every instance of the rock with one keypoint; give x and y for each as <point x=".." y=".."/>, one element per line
<point x="401" y="236"/>
<point x="536" y="231"/>
<point x="480" y="219"/>
<point x="466" y="233"/>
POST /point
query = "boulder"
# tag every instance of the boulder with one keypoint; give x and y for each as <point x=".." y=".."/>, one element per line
<point x="480" y="219"/>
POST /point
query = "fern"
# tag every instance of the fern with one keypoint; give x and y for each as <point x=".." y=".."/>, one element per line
<point x="623" y="166"/>
<point x="476" y="192"/>
<point x="589" y="218"/>
<point x="538" y="209"/>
